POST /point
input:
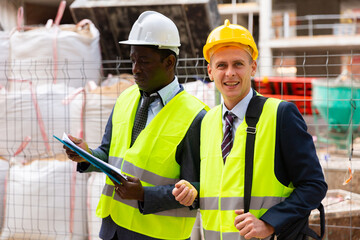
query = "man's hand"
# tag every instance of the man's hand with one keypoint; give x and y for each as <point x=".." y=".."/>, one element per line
<point x="131" y="189"/>
<point x="73" y="155"/>
<point x="251" y="227"/>
<point x="184" y="193"/>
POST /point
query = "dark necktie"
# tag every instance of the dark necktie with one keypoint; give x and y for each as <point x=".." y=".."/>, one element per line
<point x="227" y="142"/>
<point x="141" y="116"/>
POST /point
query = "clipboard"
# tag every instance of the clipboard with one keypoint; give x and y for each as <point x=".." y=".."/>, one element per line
<point x="111" y="171"/>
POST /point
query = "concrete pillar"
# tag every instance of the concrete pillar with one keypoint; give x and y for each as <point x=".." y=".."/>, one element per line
<point x="265" y="53"/>
<point x="234" y="15"/>
<point x="251" y="22"/>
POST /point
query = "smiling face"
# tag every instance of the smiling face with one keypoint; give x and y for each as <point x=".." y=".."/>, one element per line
<point x="231" y="69"/>
<point x="150" y="71"/>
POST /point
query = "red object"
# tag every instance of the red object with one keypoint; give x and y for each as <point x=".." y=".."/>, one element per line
<point x="293" y="89"/>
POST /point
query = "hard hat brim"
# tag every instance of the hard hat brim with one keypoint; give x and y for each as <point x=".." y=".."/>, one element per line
<point x="175" y="48"/>
<point x="138" y="42"/>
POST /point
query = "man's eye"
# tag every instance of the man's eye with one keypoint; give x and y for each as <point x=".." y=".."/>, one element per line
<point x="221" y="65"/>
<point x="239" y="64"/>
<point x="139" y="61"/>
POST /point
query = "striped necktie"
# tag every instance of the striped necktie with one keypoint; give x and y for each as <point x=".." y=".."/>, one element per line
<point x="227" y="142"/>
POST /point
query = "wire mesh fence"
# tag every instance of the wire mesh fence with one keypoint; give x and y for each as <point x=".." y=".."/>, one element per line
<point x="43" y="197"/>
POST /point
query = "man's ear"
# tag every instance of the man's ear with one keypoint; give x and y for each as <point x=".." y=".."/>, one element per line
<point x="253" y="68"/>
<point x="209" y="69"/>
<point x="170" y="61"/>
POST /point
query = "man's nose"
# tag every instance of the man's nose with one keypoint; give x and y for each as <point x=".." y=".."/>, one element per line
<point x="230" y="72"/>
<point x="135" y="68"/>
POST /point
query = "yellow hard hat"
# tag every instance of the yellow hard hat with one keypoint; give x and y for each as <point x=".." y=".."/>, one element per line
<point x="232" y="34"/>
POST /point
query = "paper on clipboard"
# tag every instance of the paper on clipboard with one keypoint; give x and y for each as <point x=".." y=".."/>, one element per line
<point x="113" y="172"/>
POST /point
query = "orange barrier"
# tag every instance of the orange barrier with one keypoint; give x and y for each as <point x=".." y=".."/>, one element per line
<point x="303" y="103"/>
<point x="293" y="89"/>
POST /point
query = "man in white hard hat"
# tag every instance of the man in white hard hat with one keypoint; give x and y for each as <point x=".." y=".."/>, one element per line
<point x="285" y="178"/>
<point x="154" y="151"/>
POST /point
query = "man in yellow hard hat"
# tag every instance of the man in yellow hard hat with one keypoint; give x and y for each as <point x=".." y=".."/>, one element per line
<point x="153" y="136"/>
<point x="287" y="181"/>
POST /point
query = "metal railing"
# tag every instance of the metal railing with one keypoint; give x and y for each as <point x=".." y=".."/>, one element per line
<point x="235" y="1"/>
<point x="310" y="25"/>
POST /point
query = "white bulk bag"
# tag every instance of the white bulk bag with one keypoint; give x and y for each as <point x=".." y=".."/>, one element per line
<point x="4" y="58"/>
<point x="95" y="186"/>
<point x="45" y="199"/>
<point x="68" y="54"/>
<point x="89" y="115"/>
<point x="91" y="110"/>
<point x="205" y="91"/>
<point x="4" y="168"/>
<point x="30" y="118"/>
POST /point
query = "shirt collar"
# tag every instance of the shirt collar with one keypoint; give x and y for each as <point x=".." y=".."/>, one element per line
<point x="169" y="91"/>
<point x="240" y="109"/>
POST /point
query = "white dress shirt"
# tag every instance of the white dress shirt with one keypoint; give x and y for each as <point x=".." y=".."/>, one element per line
<point x="166" y="94"/>
<point x="239" y="111"/>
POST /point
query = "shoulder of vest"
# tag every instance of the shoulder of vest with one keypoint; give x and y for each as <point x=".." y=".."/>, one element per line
<point x="213" y="111"/>
<point x="275" y="102"/>
<point x="272" y="99"/>
<point x="271" y="106"/>
<point x="194" y="99"/>
<point x="130" y="90"/>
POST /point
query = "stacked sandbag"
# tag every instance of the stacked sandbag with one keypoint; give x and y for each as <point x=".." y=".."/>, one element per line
<point x="4" y="168"/>
<point x="45" y="199"/>
<point x="95" y="186"/>
<point x="30" y="118"/>
<point x="66" y="54"/>
<point x="4" y="58"/>
<point x="41" y="68"/>
<point x="45" y="65"/>
<point x="205" y="91"/>
<point x="90" y="109"/>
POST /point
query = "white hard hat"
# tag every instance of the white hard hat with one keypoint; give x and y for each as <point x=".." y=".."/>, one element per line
<point x="153" y="28"/>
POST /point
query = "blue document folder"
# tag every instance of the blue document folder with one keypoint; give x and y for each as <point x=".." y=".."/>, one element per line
<point x="112" y="172"/>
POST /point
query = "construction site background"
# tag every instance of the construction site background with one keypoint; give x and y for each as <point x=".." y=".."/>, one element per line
<point x="57" y="76"/>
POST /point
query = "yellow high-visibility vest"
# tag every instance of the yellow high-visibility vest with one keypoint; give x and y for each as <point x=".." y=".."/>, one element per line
<point x="222" y="185"/>
<point x="152" y="159"/>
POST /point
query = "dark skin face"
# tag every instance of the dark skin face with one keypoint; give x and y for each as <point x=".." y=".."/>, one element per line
<point x="150" y="71"/>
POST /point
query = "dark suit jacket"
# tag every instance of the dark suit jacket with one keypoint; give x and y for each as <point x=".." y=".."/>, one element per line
<point x="296" y="161"/>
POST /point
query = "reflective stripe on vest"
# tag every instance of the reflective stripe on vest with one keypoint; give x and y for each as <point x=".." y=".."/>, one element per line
<point x="233" y="203"/>
<point x="147" y="176"/>
<point x="222" y="185"/>
<point x="151" y="159"/>
<point x="108" y="190"/>
<point x="213" y="235"/>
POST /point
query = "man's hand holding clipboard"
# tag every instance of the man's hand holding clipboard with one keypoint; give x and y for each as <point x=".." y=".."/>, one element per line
<point x="78" y="151"/>
<point x="125" y="186"/>
<point x="72" y="155"/>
